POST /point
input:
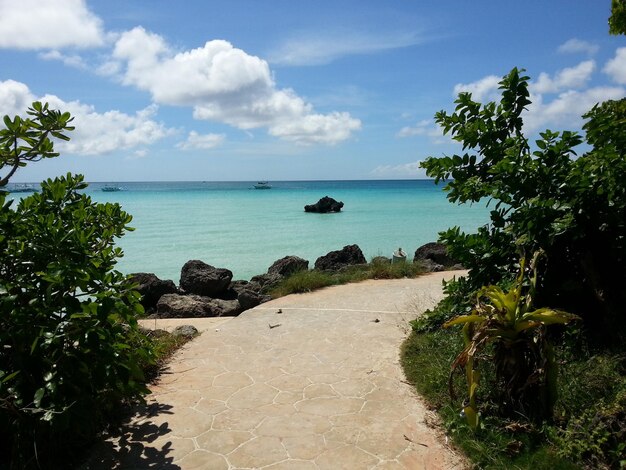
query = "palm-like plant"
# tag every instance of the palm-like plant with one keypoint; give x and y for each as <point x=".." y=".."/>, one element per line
<point x="523" y="357"/>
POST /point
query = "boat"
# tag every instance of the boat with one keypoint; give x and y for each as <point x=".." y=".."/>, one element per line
<point x="110" y="188"/>
<point x="23" y="188"/>
<point x="262" y="185"/>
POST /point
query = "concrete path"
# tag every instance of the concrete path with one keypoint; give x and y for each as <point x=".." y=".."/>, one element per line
<point x="309" y="381"/>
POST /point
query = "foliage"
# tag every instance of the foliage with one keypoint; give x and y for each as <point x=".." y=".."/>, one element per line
<point x="523" y="357"/>
<point x="28" y="140"/>
<point x="69" y="346"/>
<point x="617" y="20"/>
<point x="67" y="316"/>
<point x="501" y="443"/>
<point x="572" y="209"/>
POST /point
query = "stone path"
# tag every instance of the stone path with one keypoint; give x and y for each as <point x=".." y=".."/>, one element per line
<point x="308" y="381"/>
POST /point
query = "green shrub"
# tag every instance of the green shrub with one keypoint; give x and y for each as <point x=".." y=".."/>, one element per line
<point x="67" y="321"/>
<point x="543" y="198"/>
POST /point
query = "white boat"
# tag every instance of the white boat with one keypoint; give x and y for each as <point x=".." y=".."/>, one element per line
<point x="262" y="185"/>
<point x="109" y="188"/>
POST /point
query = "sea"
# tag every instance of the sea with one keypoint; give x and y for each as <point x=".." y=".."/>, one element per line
<point x="232" y="225"/>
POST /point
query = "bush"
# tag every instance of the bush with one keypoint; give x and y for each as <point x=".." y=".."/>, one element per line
<point x="545" y="200"/>
<point x="70" y="348"/>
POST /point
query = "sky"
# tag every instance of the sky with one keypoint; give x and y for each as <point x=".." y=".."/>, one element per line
<point x="245" y="90"/>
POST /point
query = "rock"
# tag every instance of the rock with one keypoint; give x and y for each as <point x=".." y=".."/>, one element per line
<point x="324" y="205"/>
<point x="429" y="265"/>
<point x="266" y="281"/>
<point x="233" y="290"/>
<point x="436" y="252"/>
<point x="288" y="265"/>
<point x="200" y="278"/>
<point x="187" y="331"/>
<point x="381" y="260"/>
<point x="190" y="306"/>
<point x="250" y="299"/>
<point x="152" y="288"/>
<point x="335" y="260"/>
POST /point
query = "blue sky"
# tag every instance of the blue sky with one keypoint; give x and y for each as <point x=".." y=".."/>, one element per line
<point x="280" y="90"/>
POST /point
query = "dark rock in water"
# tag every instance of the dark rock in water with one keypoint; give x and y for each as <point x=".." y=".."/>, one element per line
<point x="288" y="265"/>
<point x="249" y="298"/>
<point x="336" y="260"/>
<point x="324" y="205"/>
<point x="187" y="331"/>
<point x="189" y="306"/>
<point x="200" y="278"/>
<point x="152" y="288"/>
<point x="435" y="252"/>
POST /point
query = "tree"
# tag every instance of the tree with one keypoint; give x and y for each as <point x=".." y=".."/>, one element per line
<point x="70" y="349"/>
<point x="28" y="140"/>
<point x="617" y="20"/>
<point x="545" y="199"/>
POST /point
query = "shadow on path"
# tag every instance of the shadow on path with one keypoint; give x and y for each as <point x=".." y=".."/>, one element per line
<point x="129" y="446"/>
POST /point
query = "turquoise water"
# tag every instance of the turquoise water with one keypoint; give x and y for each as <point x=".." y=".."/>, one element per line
<point x="245" y="230"/>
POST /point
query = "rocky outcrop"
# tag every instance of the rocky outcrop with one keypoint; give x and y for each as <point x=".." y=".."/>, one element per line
<point x="324" y="205"/>
<point x="264" y="282"/>
<point x="249" y="298"/>
<point x="434" y="257"/>
<point x="197" y="277"/>
<point x="191" y="305"/>
<point x="336" y="260"/>
<point x="288" y="265"/>
<point x="152" y="288"/>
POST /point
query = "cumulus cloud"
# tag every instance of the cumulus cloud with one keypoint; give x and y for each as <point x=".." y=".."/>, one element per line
<point x="201" y="141"/>
<point x="71" y="60"/>
<point x="572" y="100"/>
<point x="426" y="127"/>
<point x="571" y="77"/>
<point x="485" y="89"/>
<point x="405" y="170"/>
<point x="223" y="84"/>
<point x="616" y="67"/>
<point x="574" y="46"/>
<point x="565" y="111"/>
<point x="49" y="24"/>
<point x="324" y="48"/>
<point x="96" y="133"/>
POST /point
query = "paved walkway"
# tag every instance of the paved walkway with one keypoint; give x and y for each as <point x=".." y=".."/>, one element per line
<point x="309" y="381"/>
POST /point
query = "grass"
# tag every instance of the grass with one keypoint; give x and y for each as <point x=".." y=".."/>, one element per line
<point x="589" y="430"/>
<point x="164" y="345"/>
<point x="307" y="281"/>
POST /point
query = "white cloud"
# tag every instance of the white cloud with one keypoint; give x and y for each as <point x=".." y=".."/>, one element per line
<point x="406" y="170"/>
<point x="485" y="89"/>
<point x="616" y="67"/>
<point x="426" y="127"/>
<point x="574" y="46"/>
<point x="48" y="24"/>
<point x="325" y="47"/>
<point x="95" y="133"/>
<point x="223" y="84"/>
<point x="565" y="111"/>
<point x="71" y="60"/>
<point x="201" y="141"/>
<point x="571" y="77"/>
